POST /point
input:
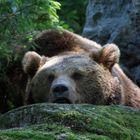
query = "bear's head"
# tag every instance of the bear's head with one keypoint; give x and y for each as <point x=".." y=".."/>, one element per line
<point x="73" y="78"/>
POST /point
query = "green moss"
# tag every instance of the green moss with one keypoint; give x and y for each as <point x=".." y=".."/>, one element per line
<point x="71" y="122"/>
<point x="25" y="134"/>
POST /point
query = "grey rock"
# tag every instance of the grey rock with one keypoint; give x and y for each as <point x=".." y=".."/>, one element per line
<point x="116" y="21"/>
<point x="136" y="74"/>
<point x="62" y="137"/>
<point x="70" y="122"/>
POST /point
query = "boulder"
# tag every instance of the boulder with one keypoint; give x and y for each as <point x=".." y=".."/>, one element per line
<point x="117" y="21"/>
<point x="70" y="122"/>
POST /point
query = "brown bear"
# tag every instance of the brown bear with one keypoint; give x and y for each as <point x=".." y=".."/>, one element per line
<point x="77" y="71"/>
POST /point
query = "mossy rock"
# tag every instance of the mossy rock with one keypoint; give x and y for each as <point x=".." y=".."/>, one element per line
<point x="70" y="122"/>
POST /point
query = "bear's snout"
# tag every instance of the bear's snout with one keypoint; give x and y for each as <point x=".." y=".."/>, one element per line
<point x="59" y="88"/>
<point x="60" y="94"/>
<point x="62" y="90"/>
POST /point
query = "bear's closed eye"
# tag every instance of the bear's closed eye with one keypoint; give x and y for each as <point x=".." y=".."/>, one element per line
<point x="51" y="77"/>
<point x="77" y="75"/>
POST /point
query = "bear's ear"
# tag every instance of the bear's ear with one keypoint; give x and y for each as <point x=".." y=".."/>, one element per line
<point x="108" y="55"/>
<point x="31" y="63"/>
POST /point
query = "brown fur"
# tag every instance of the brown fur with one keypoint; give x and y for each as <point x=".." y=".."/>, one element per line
<point x="104" y="84"/>
<point x="54" y="42"/>
<point x="130" y="90"/>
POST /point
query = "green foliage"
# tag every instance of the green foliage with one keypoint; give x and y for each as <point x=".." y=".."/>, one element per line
<point x="21" y="19"/>
<point x="73" y="13"/>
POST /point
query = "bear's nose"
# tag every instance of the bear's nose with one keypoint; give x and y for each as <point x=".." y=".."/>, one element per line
<point x="60" y="94"/>
<point x="59" y="88"/>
